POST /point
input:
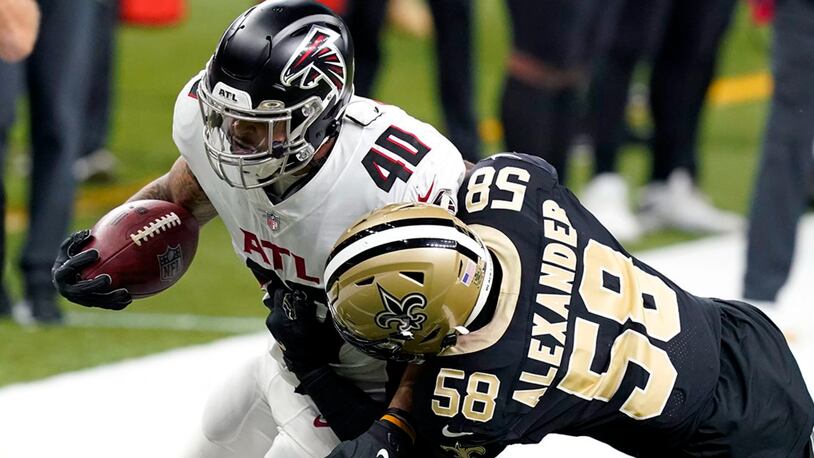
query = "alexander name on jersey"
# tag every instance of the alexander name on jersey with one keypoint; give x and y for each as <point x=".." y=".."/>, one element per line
<point x="550" y="310"/>
<point x="584" y="338"/>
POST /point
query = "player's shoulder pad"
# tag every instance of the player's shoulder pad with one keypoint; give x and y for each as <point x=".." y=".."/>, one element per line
<point x="193" y="88"/>
<point x="363" y="111"/>
<point x="189" y="93"/>
<point x="186" y="119"/>
<point x="535" y="161"/>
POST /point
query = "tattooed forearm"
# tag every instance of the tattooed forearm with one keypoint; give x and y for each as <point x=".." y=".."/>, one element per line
<point x="180" y="186"/>
<point x="157" y="190"/>
<point x="187" y="192"/>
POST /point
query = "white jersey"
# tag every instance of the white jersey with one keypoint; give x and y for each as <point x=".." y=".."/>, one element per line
<point x="382" y="156"/>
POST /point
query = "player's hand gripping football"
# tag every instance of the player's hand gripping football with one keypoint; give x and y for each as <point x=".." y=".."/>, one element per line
<point x="391" y="436"/>
<point x="95" y="292"/>
<point x="307" y="344"/>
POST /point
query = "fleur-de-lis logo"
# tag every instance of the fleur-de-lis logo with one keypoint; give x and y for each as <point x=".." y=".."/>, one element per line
<point x="465" y="452"/>
<point x="404" y="313"/>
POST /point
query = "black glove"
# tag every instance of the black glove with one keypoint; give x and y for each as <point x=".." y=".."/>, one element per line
<point x="95" y="292"/>
<point x="390" y="437"/>
<point x="307" y="344"/>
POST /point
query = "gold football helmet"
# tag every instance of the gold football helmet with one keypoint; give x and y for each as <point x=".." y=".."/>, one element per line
<point x="404" y="281"/>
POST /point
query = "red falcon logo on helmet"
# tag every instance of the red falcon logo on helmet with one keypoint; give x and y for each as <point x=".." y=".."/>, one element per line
<point x="317" y="58"/>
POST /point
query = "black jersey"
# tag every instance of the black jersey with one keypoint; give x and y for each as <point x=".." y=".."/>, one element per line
<point x="585" y="339"/>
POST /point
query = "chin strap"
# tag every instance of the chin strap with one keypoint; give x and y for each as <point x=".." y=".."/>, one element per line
<point x="333" y="129"/>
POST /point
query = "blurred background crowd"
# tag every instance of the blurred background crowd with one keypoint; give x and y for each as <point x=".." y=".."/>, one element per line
<point x="614" y="93"/>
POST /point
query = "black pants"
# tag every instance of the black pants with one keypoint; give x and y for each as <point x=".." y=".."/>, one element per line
<point x="539" y="112"/>
<point x="56" y="80"/>
<point x="761" y="406"/>
<point x="453" y="43"/>
<point x="680" y="38"/>
<point x="98" y="106"/>
<point x="787" y="164"/>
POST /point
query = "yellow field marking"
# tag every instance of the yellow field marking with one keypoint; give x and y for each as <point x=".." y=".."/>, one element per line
<point x="491" y="130"/>
<point x="740" y="89"/>
<point x="94" y="200"/>
<point x="102" y="199"/>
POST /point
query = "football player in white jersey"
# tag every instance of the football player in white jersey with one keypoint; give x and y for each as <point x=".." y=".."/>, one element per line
<point x="274" y="142"/>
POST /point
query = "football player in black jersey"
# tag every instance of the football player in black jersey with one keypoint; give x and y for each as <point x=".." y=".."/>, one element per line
<point x="529" y="318"/>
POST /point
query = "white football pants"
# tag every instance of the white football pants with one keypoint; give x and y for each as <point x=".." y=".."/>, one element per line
<point x="256" y="413"/>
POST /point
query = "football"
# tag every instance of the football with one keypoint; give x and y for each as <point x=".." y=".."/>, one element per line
<point x="144" y="245"/>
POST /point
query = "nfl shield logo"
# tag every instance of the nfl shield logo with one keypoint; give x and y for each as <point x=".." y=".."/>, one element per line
<point x="169" y="263"/>
<point x="273" y="221"/>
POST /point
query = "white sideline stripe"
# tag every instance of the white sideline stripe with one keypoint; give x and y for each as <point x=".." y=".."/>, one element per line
<point x="144" y="407"/>
<point x="148" y="407"/>
<point x="178" y="322"/>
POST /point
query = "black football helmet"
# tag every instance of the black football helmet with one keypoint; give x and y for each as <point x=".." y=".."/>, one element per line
<point x="275" y="90"/>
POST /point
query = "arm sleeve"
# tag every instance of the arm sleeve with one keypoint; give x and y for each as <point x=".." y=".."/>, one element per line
<point x="348" y="410"/>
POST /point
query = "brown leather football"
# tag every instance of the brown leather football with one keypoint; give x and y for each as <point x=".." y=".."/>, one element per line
<point x="145" y="246"/>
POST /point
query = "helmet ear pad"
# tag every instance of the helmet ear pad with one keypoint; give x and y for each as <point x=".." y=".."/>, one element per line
<point x="332" y="120"/>
<point x="320" y="128"/>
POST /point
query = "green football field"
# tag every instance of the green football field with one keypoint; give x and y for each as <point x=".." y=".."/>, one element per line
<point x="218" y="297"/>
